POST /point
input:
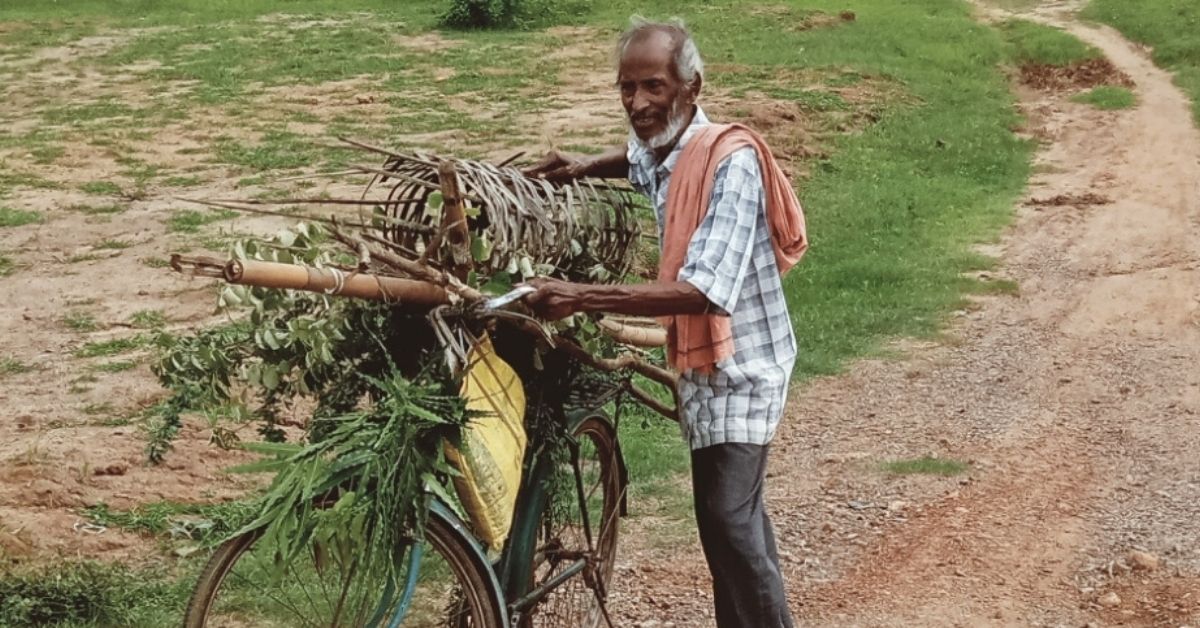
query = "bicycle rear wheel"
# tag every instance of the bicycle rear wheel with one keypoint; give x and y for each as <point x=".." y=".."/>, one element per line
<point x="568" y="522"/>
<point x="237" y="588"/>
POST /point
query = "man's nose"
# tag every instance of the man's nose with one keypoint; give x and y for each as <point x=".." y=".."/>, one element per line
<point x="639" y="103"/>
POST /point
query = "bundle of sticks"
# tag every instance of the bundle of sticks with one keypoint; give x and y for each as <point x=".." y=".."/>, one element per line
<point x="428" y="229"/>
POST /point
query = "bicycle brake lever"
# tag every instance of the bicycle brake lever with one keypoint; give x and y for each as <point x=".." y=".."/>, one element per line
<point x="515" y="294"/>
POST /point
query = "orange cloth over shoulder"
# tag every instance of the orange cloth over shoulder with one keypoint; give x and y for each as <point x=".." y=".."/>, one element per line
<point x="699" y="341"/>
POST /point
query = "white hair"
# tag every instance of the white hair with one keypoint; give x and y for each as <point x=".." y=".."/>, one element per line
<point x="685" y="57"/>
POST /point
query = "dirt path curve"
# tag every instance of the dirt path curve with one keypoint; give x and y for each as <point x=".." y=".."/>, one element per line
<point x="1077" y="403"/>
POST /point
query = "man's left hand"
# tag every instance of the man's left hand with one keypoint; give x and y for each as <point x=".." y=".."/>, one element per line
<point x="554" y="298"/>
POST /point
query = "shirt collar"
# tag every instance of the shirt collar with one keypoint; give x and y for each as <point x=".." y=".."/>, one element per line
<point x="644" y="158"/>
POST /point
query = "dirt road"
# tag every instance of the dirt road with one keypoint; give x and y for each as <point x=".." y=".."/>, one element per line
<point x="1075" y="402"/>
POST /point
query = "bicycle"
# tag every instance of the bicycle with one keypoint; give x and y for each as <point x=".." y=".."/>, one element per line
<point x="555" y="568"/>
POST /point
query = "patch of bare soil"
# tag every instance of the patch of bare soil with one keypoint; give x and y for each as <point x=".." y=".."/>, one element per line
<point x="803" y="19"/>
<point x="1075" y="405"/>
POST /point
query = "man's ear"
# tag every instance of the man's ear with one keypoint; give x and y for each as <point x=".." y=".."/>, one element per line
<point x="694" y="88"/>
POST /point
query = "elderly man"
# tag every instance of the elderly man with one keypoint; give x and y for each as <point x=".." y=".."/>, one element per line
<point x="729" y="225"/>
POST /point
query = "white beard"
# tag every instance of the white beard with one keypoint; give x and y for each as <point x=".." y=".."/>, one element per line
<point x="676" y="118"/>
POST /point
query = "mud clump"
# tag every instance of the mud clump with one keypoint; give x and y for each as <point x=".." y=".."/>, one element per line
<point x="1082" y="74"/>
<point x="1087" y="199"/>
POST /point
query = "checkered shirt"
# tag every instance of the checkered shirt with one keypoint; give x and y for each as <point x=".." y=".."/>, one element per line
<point x="732" y="261"/>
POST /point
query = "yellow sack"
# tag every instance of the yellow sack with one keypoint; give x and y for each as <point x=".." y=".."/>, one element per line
<point x="494" y="444"/>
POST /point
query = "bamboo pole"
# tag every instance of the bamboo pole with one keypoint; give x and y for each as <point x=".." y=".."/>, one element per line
<point x="330" y="281"/>
<point x="632" y="334"/>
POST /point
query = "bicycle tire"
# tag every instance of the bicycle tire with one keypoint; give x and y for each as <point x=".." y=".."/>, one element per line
<point x="573" y="604"/>
<point x="472" y="603"/>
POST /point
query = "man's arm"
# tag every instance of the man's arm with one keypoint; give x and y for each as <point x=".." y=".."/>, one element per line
<point x="556" y="299"/>
<point x="559" y="166"/>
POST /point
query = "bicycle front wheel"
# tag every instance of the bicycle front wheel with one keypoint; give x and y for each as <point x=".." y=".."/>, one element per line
<point x="239" y="588"/>
<point x="581" y="522"/>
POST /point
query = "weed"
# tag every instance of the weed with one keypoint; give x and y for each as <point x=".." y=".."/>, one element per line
<point x="190" y="220"/>
<point x="114" y="244"/>
<point x="155" y="262"/>
<point x="12" y="366"/>
<point x="17" y="217"/>
<point x="88" y="594"/>
<point x="6" y="266"/>
<point x="148" y="319"/>
<point x="182" y="182"/>
<point x="46" y="153"/>
<point x="995" y="286"/>
<point x="101" y="188"/>
<point x="112" y="347"/>
<point x="1107" y="97"/>
<point x="197" y="522"/>
<point x="925" y="465"/>
<point x="99" y="210"/>
<point x="93" y="409"/>
<point x="114" y="367"/>
<point x="80" y="322"/>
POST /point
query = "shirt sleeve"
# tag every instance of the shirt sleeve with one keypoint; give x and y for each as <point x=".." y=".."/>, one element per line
<point x="719" y="253"/>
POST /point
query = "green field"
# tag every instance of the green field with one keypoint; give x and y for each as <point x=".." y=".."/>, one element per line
<point x="900" y="127"/>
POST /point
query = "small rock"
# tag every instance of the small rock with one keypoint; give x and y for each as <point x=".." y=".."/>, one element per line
<point x="1109" y="600"/>
<point x="1143" y="561"/>
<point x="897" y="505"/>
<point x="112" y="469"/>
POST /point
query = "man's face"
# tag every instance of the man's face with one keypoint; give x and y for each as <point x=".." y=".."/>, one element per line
<point x="654" y="98"/>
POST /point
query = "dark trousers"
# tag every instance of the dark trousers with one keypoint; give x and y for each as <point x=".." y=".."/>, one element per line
<point x="736" y="534"/>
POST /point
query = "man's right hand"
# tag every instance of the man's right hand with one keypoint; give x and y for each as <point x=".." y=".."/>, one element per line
<point x="559" y="167"/>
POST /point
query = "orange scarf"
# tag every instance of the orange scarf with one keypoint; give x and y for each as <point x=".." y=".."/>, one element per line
<point x="699" y="341"/>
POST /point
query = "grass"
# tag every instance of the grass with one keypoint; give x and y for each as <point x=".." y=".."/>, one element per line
<point x="93" y="409"/>
<point x="926" y="465"/>
<point x="112" y="347"/>
<point x="101" y="188"/>
<point x="7" y="266"/>
<point x="90" y="593"/>
<point x="148" y="319"/>
<point x="191" y="220"/>
<point x="114" y="367"/>
<point x="80" y="322"/>
<point x="114" y="244"/>
<point x="99" y="210"/>
<point x="1107" y="97"/>
<point x="10" y="217"/>
<point x="12" y="366"/>
<point x="1169" y="27"/>
<point x="1037" y="43"/>
<point x="196" y="522"/>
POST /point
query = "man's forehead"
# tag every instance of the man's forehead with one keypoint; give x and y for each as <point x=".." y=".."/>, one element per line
<point x="653" y="47"/>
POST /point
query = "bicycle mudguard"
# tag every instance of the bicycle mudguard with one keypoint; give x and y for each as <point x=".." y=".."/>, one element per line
<point x="478" y="555"/>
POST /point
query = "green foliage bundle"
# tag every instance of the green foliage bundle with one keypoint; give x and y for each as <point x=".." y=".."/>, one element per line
<point x="369" y="377"/>
<point x="359" y="493"/>
<point x="289" y="346"/>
